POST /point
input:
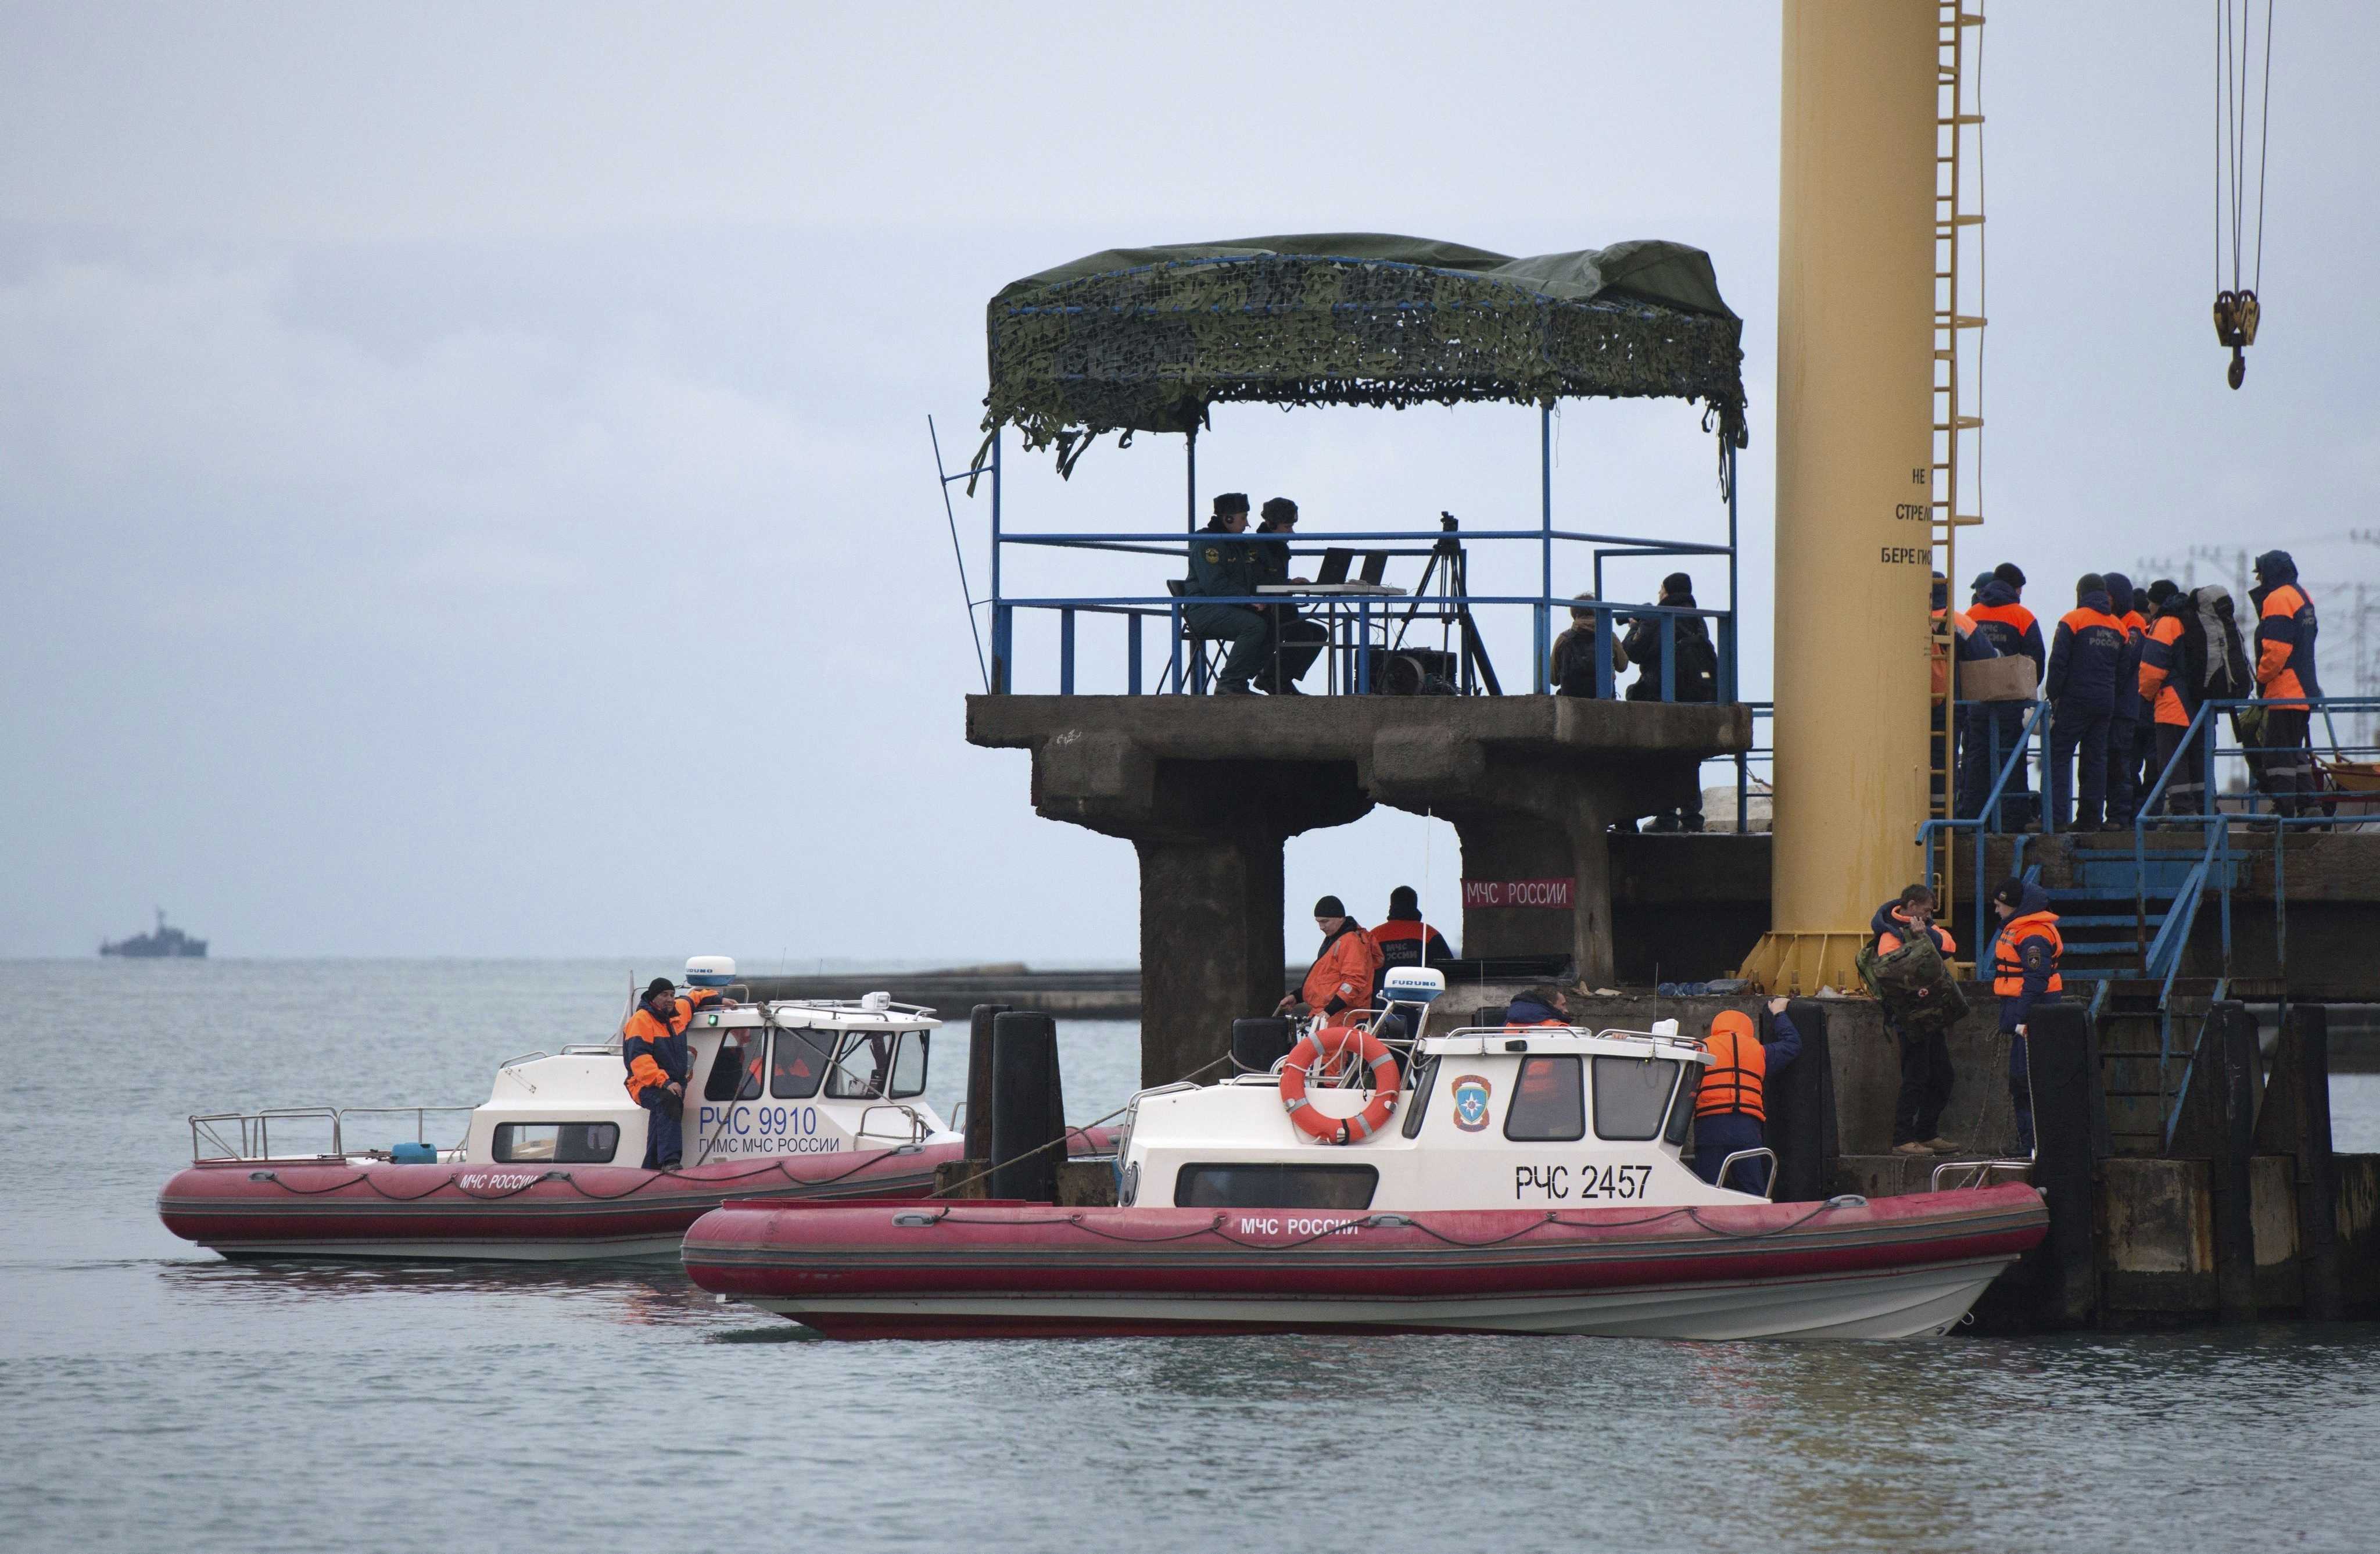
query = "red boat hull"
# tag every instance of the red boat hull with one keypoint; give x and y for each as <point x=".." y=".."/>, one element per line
<point x="514" y="1212"/>
<point x="1896" y="1267"/>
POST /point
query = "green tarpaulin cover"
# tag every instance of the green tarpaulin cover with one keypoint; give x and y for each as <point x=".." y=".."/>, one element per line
<point x="1146" y="339"/>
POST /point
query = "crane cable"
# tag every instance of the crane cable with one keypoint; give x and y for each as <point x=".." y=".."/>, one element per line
<point x="2237" y="308"/>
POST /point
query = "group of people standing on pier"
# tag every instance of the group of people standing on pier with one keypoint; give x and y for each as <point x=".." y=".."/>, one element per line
<point x="2126" y="674"/>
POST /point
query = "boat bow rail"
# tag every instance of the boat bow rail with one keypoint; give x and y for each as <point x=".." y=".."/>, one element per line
<point x="210" y="1145"/>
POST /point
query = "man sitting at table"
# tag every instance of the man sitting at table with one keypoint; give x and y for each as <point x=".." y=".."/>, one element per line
<point x="1221" y="567"/>
<point x="1296" y="640"/>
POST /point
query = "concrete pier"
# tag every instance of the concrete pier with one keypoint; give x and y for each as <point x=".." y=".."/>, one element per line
<point x="1208" y="788"/>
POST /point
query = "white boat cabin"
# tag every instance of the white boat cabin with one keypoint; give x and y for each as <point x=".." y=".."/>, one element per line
<point x="1527" y="1117"/>
<point x="778" y="1078"/>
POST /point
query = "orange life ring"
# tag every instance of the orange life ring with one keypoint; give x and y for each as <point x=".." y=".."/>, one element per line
<point x="1329" y="1045"/>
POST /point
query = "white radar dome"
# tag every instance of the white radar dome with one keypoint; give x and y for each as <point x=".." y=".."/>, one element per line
<point x="1413" y="984"/>
<point x="710" y="971"/>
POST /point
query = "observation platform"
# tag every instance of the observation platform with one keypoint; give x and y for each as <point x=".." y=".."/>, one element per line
<point x="1207" y="789"/>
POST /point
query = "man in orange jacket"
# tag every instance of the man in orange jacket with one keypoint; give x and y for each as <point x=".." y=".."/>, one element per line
<point x="2024" y="973"/>
<point x="1343" y="973"/>
<point x="652" y="1045"/>
<point x="2285" y="677"/>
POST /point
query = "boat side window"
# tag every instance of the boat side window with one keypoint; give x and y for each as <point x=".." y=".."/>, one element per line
<point x="908" y="1065"/>
<point x="862" y="1068"/>
<point x="736" y="1072"/>
<point x="1548" y="1101"/>
<point x="1632" y="1096"/>
<point x="1425" y="1080"/>
<point x="1275" y="1186"/>
<point x="560" y="1142"/>
<point x="799" y="1063"/>
<point x="1682" y="1110"/>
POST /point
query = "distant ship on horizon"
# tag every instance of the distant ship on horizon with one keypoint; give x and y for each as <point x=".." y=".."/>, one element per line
<point x="164" y="944"/>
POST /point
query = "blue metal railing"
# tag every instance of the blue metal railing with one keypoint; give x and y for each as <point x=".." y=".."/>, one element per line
<point x="1361" y="624"/>
<point x="2163" y="938"/>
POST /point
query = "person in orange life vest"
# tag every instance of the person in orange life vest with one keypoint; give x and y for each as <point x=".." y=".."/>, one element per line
<point x="2172" y="686"/>
<point x="1926" y="1073"/>
<point x="1730" y="1109"/>
<point x="2024" y="972"/>
<point x="1343" y="973"/>
<point x="2128" y="725"/>
<point x="2285" y="676"/>
<point x="652" y="1045"/>
<point x="2086" y="661"/>
<point x="1993" y="729"/>
<point x="1404" y="938"/>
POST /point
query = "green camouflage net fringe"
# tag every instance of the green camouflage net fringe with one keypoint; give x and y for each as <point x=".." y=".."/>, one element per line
<point x="1150" y="348"/>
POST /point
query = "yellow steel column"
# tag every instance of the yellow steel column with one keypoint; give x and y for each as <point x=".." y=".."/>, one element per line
<point x="1855" y="389"/>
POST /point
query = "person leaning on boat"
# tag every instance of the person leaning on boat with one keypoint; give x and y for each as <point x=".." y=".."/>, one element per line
<point x="1343" y="973"/>
<point x="652" y="1045"/>
<point x="1731" y="1109"/>
<point x="2024" y="972"/>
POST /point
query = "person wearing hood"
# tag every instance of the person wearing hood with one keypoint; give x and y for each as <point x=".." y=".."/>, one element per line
<point x="652" y="1046"/>
<point x="2285" y="678"/>
<point x="1926" y="1073"/>
<point x="2024" y="972"/>
<point x="1544" y="1005"/>
<point x="2129" y="723"/>
<point x="2172" y="684"/>
<point x="1994" y="729"/>
<point x="2086" y="663"/>
<point x="1345" y="970"/>
<point x="1730" y="1103"/>
<point x="1694" y="676"/>
<point x="1404" y="938"/>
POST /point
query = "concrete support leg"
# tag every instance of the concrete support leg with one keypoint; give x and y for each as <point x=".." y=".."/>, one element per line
<point x="1518" y="845"/>
<point x="1210" y="945"/>
<point x="2296" y="1122"/>
<point x="2070" y="1123"/>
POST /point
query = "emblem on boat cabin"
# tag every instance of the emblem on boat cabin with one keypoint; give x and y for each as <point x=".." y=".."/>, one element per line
<point x="1471" y="1094"/>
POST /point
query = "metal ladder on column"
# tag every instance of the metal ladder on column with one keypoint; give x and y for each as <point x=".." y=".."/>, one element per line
<point x="1956" y="433"/>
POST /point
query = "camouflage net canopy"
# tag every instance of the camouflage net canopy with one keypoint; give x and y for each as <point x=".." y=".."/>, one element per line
<point x="1146" y="339"/>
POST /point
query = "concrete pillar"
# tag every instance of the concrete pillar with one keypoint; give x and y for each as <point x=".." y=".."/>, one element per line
<point x="1210" y="944"/>
<point x="1854" y="344"/>
<point x="1531" y="826"/>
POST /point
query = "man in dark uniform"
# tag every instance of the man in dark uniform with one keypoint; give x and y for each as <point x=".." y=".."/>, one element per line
<point x="652" y="1045"/>
<point x="1296" y="640"/>
<point x="1222" y="569"/>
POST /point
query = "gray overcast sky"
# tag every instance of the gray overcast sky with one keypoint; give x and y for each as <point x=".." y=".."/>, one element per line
<point x="463" y="474"/>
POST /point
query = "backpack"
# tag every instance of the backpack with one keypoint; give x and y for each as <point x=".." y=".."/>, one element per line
<point x="2226" y="655"/>
<point x="1914" y="986"/>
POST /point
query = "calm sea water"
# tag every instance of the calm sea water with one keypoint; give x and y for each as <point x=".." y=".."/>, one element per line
<point x="154" y="1396"/>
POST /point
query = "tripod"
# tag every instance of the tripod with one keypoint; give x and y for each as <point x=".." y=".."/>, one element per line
<point x="1452" y="603"/>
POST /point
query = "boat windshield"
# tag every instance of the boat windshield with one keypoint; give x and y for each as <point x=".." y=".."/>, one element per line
<point x="878" y="1065"/>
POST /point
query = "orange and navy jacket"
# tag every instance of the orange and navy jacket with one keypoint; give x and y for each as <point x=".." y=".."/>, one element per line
<point x="1892" y="928"/>
<point x="2088" y="656"/>
<point x="1343" y="973"/>
<point x="1972" y="645"/>
<point x="2024" y="958"/>
<point x="1408" y="942"/>
<point x="2007" y="625"/>
<point x="1737" y="1080"/>
<point x="2285" y="633"/>
<point x="2161" y="659"/>
<point x="654" y="1049"/>
<point x="2124" y="605"/>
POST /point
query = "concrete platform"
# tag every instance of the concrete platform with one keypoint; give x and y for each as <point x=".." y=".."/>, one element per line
<point x="1208" y="788"/>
